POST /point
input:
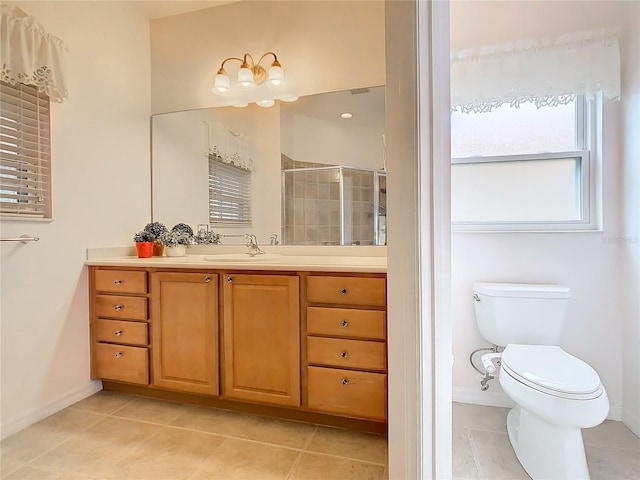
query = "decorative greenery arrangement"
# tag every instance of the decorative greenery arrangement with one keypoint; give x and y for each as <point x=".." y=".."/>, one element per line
<point x="157" y="230"/>
<point x="183" y="227"/>
<point x="207" y="238"/>
<point x="143" y="236"/>
<point x="177" y="237"/>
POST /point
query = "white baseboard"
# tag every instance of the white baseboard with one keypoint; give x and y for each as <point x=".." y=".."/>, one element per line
<point x="632" y="421"/>
<point x="476" y="396"/>
<point x="19" y="422"/>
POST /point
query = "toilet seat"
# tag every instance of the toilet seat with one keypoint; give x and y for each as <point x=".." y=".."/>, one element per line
<point x="551" y="370"/>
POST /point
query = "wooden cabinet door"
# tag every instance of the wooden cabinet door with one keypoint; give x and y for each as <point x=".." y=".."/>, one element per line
<point x="184" y="331"/>
<point x="261" y="321"/>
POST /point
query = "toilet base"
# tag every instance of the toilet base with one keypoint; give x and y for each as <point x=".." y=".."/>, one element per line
<point x="546" y="452"/>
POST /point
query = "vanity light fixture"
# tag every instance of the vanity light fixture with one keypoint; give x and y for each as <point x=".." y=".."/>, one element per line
<point x="250" y="74"/>
<point x="346" y="115"/>
<point x="289" y="99"/>
<point x="266" y="103"/>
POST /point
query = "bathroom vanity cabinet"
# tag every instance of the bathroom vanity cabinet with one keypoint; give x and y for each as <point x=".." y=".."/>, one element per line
<point x="305" y="345"/>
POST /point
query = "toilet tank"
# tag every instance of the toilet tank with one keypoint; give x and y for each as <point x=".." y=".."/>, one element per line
<point x="529" y="314"/>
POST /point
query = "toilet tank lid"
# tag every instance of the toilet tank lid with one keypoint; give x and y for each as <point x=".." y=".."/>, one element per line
<point x="522" y="290"/>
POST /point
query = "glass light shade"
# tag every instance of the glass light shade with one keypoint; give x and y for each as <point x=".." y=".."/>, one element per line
<point x="266" y="103"/>
<point x="289" y="99"/>
<point x="276" y="76"/>
<point x="241" y="105"/>
<point x="245" y="78"/>
<point x="221" y="84"/>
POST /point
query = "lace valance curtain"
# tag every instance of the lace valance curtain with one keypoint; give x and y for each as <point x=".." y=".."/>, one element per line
<point x="545" y="72"/>
<point x="29" y="55"/>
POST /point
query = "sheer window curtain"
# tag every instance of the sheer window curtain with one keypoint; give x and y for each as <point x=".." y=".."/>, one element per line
<point x="542" y="71"/>
<point x="29" y="55"/>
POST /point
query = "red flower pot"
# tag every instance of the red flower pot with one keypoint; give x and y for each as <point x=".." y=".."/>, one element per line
<point x="145" y="249"/>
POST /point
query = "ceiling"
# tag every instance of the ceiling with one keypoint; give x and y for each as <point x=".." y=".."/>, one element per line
<point x="161" y="8"/>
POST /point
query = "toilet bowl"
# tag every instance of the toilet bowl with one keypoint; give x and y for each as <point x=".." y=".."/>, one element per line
<point x="556" y="394"/>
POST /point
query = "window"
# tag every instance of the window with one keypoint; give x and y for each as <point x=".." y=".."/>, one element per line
<point x="524" y="168"/>
<point x="25" y="154"/>
<point x="229" y="193"/>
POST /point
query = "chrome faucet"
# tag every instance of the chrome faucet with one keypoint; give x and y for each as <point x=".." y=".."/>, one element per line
<point x="273" y="239"/>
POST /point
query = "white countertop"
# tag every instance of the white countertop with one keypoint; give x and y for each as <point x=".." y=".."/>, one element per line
<point x="321" y="259"/>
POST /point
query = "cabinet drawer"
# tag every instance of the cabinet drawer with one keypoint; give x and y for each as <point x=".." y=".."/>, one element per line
<point x="120" y="281"/>
<point x="126" y="364"/>
<point x="338" y="352"/>
<point x="347" y="392"/>
<point x="343" y="322"/>
<point x="115" y="306"/>
<point x="347" y="290"/>
<point x="118" y="331"/>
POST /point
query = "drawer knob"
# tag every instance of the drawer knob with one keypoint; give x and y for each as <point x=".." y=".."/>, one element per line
<point x="118" y="355"/>
<point x="344" y="381"/>
<point x="118" y="307"/>
<point x="344" y="354"/>
<point x="117" y="333"/>
<point x="343" y="291"/>
<point x="229" y="280"/>
<point x="207" y="279"/>
<point x="117" y="282"/>
<point x="344" y="324"/>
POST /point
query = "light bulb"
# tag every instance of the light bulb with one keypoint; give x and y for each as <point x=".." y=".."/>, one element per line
<point x="266" y="103"/>
<point x="346" y="115"/>
<point x="221" y="84"/>
<point x="245" y="77"/>
<point x="276" y="75"/>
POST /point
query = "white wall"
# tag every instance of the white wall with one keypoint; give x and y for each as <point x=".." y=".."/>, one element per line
<point x="630" y="239"/>
<point x="100" y="145"/>
<point x="591" y="264"/>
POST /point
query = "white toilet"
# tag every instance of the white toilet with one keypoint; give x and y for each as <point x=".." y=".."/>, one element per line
<point x="556" y="394"/>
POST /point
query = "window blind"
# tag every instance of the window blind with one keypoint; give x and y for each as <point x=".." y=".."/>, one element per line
<point x="25" y="153"/>
<point x="229" y="193"/>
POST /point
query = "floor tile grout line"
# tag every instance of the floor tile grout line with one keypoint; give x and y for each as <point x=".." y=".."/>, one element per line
<point x="474" y="453"/>
<point x="73" y="435"/>
<point x="295" y="464"/>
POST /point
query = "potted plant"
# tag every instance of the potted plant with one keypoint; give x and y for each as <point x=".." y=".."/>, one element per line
<point x="144" y="244"/>
<point x="157" y="231"/>
<point x="176" y="242"/>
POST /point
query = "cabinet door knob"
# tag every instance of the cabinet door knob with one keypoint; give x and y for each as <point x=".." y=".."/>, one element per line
<point x="344" y="381"/>
<point x="117" y="282"/>
<point x="117" y="333"/>
<point x="344" y="354"/>
<point x="118" y="307"/>
<point x="207" y="279"/>
<point x="344" y="324"/>
<point x="229" y="280"/>
<point x="118" y="355"/>
<point x="343" y="291"/>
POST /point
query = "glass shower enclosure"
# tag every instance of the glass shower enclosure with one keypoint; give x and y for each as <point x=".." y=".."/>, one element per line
<point x="334" y="205"/>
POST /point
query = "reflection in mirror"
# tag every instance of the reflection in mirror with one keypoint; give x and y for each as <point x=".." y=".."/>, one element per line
<point x="334" y="183"/>
<point x="283" y="137"/>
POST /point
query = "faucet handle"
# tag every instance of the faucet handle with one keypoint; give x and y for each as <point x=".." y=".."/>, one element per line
<point x="273" y="239"/>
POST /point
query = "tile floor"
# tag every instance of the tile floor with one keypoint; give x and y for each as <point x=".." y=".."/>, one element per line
<point x="481" y="448"/>
<point x="116" y="436"/>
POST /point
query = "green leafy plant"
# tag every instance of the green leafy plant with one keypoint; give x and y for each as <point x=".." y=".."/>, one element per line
<point x="143" y="236"/>
<point x="177" y="237"/>
<point x="157" y="230"/>
<point x="183" y="227"/>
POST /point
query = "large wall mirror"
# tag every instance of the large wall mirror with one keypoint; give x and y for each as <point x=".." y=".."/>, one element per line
<point x="316" y="177"/>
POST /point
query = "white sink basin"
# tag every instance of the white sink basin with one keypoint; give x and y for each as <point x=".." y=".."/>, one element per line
<point x="243" y="257"/>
